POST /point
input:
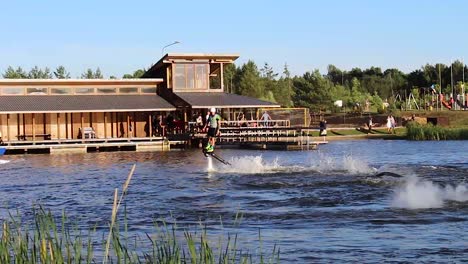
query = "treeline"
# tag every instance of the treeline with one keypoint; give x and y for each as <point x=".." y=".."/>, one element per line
<point x="61" y="73"/>
<point x="355" y="88"/>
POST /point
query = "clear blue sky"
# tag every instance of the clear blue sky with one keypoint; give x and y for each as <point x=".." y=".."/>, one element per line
<point x="121" y="36"/>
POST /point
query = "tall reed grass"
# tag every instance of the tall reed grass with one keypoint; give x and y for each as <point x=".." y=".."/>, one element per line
<point x="51" y="239"/>
<point x="416" y="131"/>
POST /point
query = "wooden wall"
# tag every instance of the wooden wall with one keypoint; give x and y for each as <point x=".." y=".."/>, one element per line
<point x="67" y="125"/>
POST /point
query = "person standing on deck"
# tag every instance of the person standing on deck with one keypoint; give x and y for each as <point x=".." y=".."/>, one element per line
<point x="266" y="118"/>
<point x="213" y="126"/>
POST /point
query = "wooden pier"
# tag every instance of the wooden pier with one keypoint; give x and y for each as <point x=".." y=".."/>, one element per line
<point x="92" y="145"/>
<point x="267" y="138"/>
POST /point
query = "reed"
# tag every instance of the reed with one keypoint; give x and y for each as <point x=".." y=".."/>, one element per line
<point x="50" y="239"/>
<point x="416" y="131"/>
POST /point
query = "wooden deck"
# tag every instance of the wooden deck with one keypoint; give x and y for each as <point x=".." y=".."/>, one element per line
<point x="274" y="138"/>
<point x="92" y="145"/>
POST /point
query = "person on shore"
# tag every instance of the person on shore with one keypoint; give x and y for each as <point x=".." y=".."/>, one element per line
<point x="323" y="128"/>
<point x="369" y="125"/>
<point x="389" y="124"/>
<point x="393" y="123"/>
<point x="213" y="126"/>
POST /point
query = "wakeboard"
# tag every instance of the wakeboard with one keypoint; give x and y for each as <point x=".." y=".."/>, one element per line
<point x="216" y="157"/>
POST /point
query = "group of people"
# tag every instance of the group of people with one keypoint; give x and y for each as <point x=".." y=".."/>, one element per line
<point x="391" y="123"/>
<point x="265" y="120"/>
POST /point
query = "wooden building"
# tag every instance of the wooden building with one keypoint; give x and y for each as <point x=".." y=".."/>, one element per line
<point x="62" y="108"/>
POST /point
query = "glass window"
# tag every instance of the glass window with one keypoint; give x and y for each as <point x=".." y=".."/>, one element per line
<point x="179" y="76"/>
<point x="107" y="90"/>
<point x="128" y="90"/>
<point x="12" y="91"/>
<point x="148" y="90"/>
<point x="84" y="90"/>
<point x="60" y="90"/>
<point x="36" y="91"/>
<point x="201" y="75"/>
<point x="190" y="76"/>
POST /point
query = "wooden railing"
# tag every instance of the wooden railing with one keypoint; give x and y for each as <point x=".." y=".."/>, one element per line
<point x="246" y="124"/>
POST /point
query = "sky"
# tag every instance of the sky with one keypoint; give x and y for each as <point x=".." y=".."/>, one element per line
<point x="122" y="36"/>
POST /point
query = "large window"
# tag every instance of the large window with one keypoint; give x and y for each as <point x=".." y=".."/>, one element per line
<point x="191" y="76"/>
<point x="12" y="91"/>
<point x="36" y="91"/>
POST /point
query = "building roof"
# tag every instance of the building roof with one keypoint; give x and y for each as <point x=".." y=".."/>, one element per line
<point x="82" y="103"/>
<point x="222" y="100"/>
<point x="86" y="82"/>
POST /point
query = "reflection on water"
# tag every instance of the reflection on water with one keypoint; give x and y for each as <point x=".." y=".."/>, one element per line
<point x="319" y="205"/>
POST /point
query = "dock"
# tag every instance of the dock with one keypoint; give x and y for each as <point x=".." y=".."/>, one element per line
<point x="92" y="145"/>
<point x="265" y="138"/>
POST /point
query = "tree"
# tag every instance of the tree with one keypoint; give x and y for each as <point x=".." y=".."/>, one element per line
<point x="250" y="83"/>
<point x="135" y="75"/>
<point x="38" y="73"/>
<point x="231" y="78"/>
<point x="61" y="73"/>
<point x="334" y="74"/>
<point x="17" y="73"/>
<point x="90" y="74"/>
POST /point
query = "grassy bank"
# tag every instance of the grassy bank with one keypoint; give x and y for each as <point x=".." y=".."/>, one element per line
<point x="48" y="238"/>
<point x="417" y="131"/>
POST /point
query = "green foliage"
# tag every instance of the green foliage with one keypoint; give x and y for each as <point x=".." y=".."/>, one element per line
<point x="37" y="73"/>
<point x="61" y="73"/>
<point x="416" y="131"/>
<point x="90" y="74"/>
<point x="17" y="73"/>
<point x="136" y="74"/>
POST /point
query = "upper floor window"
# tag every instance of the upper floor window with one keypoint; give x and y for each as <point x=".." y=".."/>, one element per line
<point x="191" y="76"/>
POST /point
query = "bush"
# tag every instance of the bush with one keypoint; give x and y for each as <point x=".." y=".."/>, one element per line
<point x="416" y="131"/>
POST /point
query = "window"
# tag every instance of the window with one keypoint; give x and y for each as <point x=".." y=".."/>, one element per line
<point x="128" y="90"/>
<point x="191" y="76"/>
<point x="36" y="91"/>
<point x="12" y="91"/>
<point x="148" y="90"/>
<point x="179" y="76"/>
<point x="84" y="90"/>
<point x="60" y="90"/>
<point x="201" y="74"/>
<point x="107" y="90"/>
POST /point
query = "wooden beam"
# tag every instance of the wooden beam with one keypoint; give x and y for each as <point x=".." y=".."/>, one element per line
<point x="128" y="125"/>
<point x="105" y="124"/>
<point x="58" y="125"/>
<point x="150" y="125"/>
<point x="8" y="127"/>
<point x="221" y="70"/>
<point x="34" y="127"/>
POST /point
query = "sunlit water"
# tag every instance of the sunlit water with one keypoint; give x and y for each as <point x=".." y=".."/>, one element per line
<point x="317" y="206"/>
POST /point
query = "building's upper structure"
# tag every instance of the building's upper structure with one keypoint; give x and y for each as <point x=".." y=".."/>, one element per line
<point x="197" y="81"/>
<point x="176" y="81"/>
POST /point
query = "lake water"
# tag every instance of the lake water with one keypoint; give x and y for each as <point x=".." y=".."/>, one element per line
<point x="317" y="206"/>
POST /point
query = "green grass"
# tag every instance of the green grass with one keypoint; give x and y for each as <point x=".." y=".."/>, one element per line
<point x="417" y="131"/>
<point x="45" y="241"/>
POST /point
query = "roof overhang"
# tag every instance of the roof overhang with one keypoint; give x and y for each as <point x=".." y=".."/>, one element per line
<point x="79" y="82"/>
<point x="203" y="100"/>
<point x="82" y="104"/>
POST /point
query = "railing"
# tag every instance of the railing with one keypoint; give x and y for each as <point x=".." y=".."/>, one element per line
<point x="246" y="124"/>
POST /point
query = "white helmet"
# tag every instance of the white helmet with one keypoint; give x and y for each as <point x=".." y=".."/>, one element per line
<point x="213" y="110"/>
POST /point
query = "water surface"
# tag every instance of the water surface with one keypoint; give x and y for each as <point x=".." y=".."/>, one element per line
<point x="317" y="206"/>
